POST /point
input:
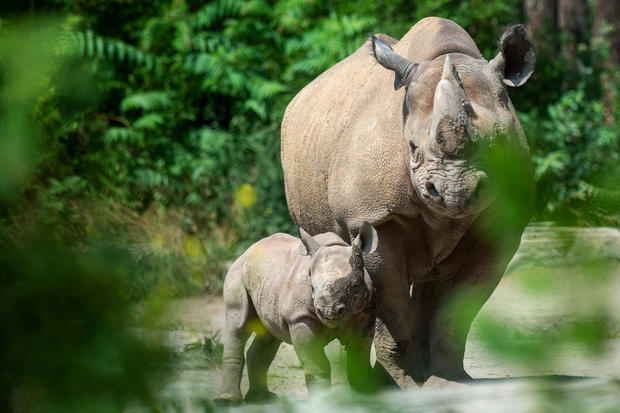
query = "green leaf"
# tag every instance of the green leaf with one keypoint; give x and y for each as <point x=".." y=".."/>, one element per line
<point x="147" y="101"/>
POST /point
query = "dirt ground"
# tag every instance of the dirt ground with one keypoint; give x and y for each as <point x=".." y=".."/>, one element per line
<point x="529" y="301"/>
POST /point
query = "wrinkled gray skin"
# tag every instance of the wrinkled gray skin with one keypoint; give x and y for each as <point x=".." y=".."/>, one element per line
<point x="395" y="135"/>
<point x="306" y="293"/>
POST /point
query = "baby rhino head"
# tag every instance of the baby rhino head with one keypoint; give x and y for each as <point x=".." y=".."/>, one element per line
<point x="341" y="286"/>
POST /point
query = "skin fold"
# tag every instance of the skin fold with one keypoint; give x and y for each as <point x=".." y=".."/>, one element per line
<point x="401" y="134"/>
<point x="303" y="293"/>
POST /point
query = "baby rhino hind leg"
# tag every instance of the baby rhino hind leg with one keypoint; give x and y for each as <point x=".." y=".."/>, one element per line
<point x="239" y="310"/>
<point x="261" y="353"/>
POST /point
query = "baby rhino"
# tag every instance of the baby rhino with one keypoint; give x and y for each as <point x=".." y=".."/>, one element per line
<point x="306" y="293"/>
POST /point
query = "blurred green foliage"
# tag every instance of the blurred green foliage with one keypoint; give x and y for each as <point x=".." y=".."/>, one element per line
<point x="574" y="136"/>
<point x="66" y="340"/>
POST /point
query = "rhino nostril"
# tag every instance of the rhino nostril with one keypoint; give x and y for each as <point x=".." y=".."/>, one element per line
<point x="340" y="308"/>
<point x="430" y="187"/>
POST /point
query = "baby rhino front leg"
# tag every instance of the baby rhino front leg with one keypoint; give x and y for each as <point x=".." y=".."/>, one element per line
<point x="309" y="346"/>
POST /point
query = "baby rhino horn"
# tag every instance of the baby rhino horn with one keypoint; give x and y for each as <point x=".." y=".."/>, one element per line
<point x="308" y="244"/>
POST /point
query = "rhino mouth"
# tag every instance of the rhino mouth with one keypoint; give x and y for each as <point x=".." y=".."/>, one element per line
<point x="453" y="206"/>
<point x="330" y="320"/>
<point x="453" y="188"/>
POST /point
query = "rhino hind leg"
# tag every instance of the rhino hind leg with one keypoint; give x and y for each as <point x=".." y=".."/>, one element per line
<point x="232" y="364"/>
<point x="260" y="355"/>
<point x="239" y="310"/>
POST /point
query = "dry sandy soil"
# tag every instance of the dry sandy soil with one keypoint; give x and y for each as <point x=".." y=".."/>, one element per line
<point x="551" y="296"/>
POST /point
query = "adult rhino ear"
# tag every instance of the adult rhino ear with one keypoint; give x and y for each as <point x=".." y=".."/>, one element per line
<point x="516" y="58"/>
<point x="367" y="239"/>
<point x="388" y="58"/>
<point x="308" y="244"/>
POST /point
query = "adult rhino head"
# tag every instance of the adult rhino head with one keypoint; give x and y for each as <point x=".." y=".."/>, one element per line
<point x="455" y="109"/>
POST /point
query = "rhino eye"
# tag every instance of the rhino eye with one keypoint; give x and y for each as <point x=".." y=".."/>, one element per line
<point x="413" y="147"/>
<point x="417" y="156"/>
<point x="469" y="109"/>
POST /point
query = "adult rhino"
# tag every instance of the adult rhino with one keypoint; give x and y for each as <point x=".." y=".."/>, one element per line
<point x="403" y="149"/>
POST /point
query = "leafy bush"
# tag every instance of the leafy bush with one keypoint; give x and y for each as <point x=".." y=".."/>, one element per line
<point x="574" y="143"/>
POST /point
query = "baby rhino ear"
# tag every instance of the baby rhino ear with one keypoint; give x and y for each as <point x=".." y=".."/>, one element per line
<point x="367" y="239"/>
<point x="308" y="244"/>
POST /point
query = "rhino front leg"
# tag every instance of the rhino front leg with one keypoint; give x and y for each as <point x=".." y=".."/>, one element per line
<point x="393" y="331"/>
<point x="309" y="346"/>
<point x="359" y="371"/>
<point x="433" y="322"/>
<point x="444" y="311"/>
<point x="393" y="349"/>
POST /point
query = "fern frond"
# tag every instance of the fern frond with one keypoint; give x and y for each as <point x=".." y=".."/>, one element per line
<point x="237" y="81"/>
<point x="215" y="11"/>
<point x="121" y="135"/>
<point x="90" y="45"/>
<point x="147" y="101"/>
<point x="263" y="89"/>
<point x="255" y="8"/>
<point x="204" y="63"/>
<point x="149" y="121"/>
<point x="256" y="106"/>
<point x="150" y="178"/>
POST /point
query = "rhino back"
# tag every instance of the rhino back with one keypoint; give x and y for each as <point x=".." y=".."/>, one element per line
<point x="343" y="152"/>
<point x="334" y="129"/>
<point x="432" y="37"/>
<point x="275" y="274"/>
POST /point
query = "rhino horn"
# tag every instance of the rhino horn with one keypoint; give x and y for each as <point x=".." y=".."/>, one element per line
<point x="449" y="71"/>
<point x="308" y="246"/>
<point x="450" y="125"/>
<point x="403" y="69"/>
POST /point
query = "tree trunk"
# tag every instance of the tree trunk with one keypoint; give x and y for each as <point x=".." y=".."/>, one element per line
<point x="572" y="20"/>
<point x="607" y="13"/>
<point x="607" y="24"/>
<point x="541" y="16"/>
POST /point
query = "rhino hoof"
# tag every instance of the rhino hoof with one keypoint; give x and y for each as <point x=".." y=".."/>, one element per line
<point x="259" y="396"/>
<point x="227" y="401"/>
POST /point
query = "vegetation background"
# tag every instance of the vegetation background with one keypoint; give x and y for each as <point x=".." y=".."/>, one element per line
<point x="140" y="147"/>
